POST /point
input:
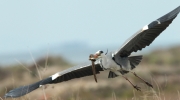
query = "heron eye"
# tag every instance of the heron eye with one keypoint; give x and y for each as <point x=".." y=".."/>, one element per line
<point x="101" y="52"/>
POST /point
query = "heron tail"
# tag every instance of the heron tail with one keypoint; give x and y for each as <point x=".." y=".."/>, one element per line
<point x="134" y="61"/>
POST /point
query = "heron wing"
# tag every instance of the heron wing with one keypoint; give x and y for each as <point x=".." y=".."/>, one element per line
<point x="145" y="36"/>
<point x="68" y="74"/>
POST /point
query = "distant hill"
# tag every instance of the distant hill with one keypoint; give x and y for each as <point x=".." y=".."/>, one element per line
<point x="75" y="52"/>
<point x="78" y="52"/>
<point x="169" y="56"/>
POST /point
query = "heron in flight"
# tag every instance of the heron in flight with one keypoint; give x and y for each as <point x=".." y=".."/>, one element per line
<point x="118" y="62"/>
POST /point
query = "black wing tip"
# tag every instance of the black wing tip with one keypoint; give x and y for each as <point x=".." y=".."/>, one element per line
<point x="9" y="95"/>
<point x="174" y="11"/>
<point x="167" y="17"/>
<point x="12" y="94"/>
<point x="178" y="8"/>
<point x="171" y="15"/>
<point x="23" y="90"/>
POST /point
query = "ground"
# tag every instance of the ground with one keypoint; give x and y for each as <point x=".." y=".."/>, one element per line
<point x="161" y="68"/>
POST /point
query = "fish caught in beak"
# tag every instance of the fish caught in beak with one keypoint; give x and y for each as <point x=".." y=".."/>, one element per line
<point x="93" y="58"/>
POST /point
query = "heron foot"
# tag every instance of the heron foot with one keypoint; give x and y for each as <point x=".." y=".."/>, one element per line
<point x="137" y="88"/>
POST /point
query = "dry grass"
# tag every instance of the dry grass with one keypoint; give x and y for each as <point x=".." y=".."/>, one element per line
<point x="166" y="86"/>
<point x="164" y="77"/>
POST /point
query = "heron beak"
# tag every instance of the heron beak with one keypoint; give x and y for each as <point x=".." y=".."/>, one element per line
<point x="93" y="59"/>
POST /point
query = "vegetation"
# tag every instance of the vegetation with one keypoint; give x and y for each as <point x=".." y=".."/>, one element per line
<point x="161" y="68"/>
<point x="170" y="57"/>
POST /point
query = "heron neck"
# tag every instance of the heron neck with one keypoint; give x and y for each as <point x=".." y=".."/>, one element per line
<point x="104" y="57"/>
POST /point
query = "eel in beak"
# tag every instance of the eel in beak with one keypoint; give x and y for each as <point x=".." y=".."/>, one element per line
<point x="93" y="59"/>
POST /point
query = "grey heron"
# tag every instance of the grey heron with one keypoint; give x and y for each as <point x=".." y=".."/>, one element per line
<point x="118" y="62"/>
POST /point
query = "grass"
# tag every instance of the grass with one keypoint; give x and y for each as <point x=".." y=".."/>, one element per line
<point x="164" y="76"/>
<point x="114" y="89"/>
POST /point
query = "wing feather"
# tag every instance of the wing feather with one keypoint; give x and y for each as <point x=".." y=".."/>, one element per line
<point x="145" y="36"/>
<point x="68" y="74"/>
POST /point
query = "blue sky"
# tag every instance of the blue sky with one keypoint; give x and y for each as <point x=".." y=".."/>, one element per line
<point x="36" y="24"/>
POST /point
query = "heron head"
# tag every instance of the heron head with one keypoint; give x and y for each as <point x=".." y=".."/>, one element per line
<point x="96" y="56"/>
<point x="93" y="58"/>
<point x="98" y="53"/>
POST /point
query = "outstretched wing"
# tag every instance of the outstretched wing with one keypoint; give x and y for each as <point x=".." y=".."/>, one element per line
<point x="71" y="73"/>
<point x="145" y="36"/>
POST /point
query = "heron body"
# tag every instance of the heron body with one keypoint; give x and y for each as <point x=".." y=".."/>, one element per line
<point x="118" y="62"/>
<point x="119" y="65"/>
<point x="108" y="63"/>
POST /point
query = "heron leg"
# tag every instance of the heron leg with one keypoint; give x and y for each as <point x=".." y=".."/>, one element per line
<point x="147" y="83"/>
<point x="135" y="86"/>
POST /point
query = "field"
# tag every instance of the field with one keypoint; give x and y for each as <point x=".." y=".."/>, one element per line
<point x="161" y="68"/>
